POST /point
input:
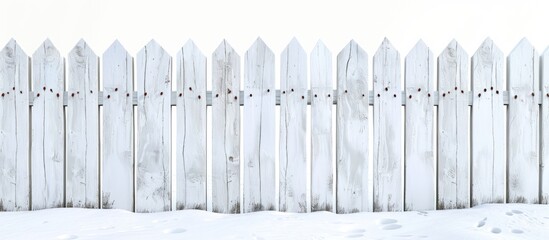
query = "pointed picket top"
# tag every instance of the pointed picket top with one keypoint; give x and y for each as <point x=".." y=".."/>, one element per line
<point x="115" y="47"/>
<point x="488" y="50"/>
<point x="452" y="50"/>
<point x="12" y="48"/>
<point x="81" y="52"/>
<point x="260" y="53"/>
<point x="224" y="48"/>
<point x="154" y="47"/>
<point x="419" y="49"/>
<point x="294" y="46"/>
<point x="524" y="46"/>
<point x="353" y="47"/>
<point x="260" y="46"/>
<point x="386" y="48"/>
<point x="321" y="63"/>
<point x="46" y="49"/>
<point x="190" y="50"/>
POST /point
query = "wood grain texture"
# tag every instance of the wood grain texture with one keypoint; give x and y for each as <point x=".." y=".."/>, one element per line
<point x="420" y="185"/>
<point x="48" y="134"/>
<point x="293" y="129"/>
<point x="352" y="130"/>
<point x="523" y="125"/>
<point x="82" y="181"/>
<point x="453" y="118"/>
<point x="259" y="133"/>
<point x="322" y="177"/>
<point x="487" y="129"/>
<point x="153" y="187"/>
<point x="14" y="129"/>
<point x="191" y="128"/>
<point x="387" y="160"/>
<point x="544" y="165"/>
<point x="225" y="130"/>
<point x="118" y="137"/>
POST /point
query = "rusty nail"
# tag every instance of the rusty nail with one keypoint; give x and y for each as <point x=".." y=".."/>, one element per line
<point x="485" y="90"/>
<point x="378" y="95"/>
<point x="394" y="95"/>
<point x="21" y="92"/>
<point x="444" y="95"/>
<point x="13" y="88"/>
<point x="235" y="97"/>
<point x="302" y="97"/>
<point x="229" y="91"/>
<point x="448" y="92"/>
<point x="292" y="89"/>
<point x="77" y="92"/>
<point x="492" y="88"/>
<point x="190" y="88"/>
<point x="386" y="89"/>
<point x="268" y="90"/>
<point x="44" y="88"/>
<point x="532" y="94"/>
<point x="199" y="97"/>
<point x="329" y="95"/>
<point x="2" y="94"/>
<point x="38" y="95"/>
<point x="516" y="96"/>
<point x="116" y="89"/>
<point x="315" y="95"/>
<point x="497" y="91"/>
<point x="479" y="95"/>
<point x="419" y="89"/>
<point x="345" y="91"/>
<point x="161" y="93"/>
<point x="8" y="93"/>
<point x="217" y="95"/>
<point x="410" y="97"/>
<point x="72" y="94"/>
<point x="283" y="92"/>
<point x="180" y="94"/>
<point x="145" y="94"/>
<point x="428" y="95"/>
<point x="461" y="91"/>
<point x="57" y="94"/>
<point x="51" y="90"/>
<point x="363" y="95"/>
<point x="456" y="88"/>
<point x="91" y="91"/>
<point x="127" y="94"/>
<point x="250" y="95"/>
<point x="109" y="96"/>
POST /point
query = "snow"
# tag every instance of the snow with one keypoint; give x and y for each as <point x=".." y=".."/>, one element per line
<point x="494" y="221"/>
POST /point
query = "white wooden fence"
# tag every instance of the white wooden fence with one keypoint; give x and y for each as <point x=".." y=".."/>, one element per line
<point x="50" y="138"/>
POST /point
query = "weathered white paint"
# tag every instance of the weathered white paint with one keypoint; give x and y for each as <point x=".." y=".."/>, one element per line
<point x="420" y="186"/>
<point x="82" y="180"/>
<point x="259" y="133"/>
<point x="293" y="128"/>
<point x="453" y="161"/>
<point x="523" y="125"/>
<point x="153" y="186"/>
<point x="544" y="165"/>
<point x="487" y="129"/>
<point x="48" y="137"/>
<point x="352" y="130"/>
<point x="191" y="128"/>
<point x="322" y="177"/>
<point x="225" y="130"/>
<point x="387" y="160"/>
<point x="14" y="128"/>
<point x="117" y="148"/>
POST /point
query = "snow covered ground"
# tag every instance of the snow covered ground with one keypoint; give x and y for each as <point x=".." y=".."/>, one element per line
<point x="496" y="221"/>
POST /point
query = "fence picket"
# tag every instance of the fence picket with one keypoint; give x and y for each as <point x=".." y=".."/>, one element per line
<point x="48" y="137"/>
<point x="453" y="166"/>
<point x="523" y="125"/>
<point x="544" y="195"/>
<point x="153" y="187"/>
<point x="82" y="180"/>
<point x="487" y="129"/>
<point x="293" y="129"/>
<point x="322" y="177"/>
<point x="191" y="128"/>
<point x="118" y="157"/>
<point x="387" y="130"/>
<point x="420" y="186"/>
<point x="225" y="130"/>
<point x="352" y="130"/>
<point x="14" y="140"/>
<point x="259" y="134"/>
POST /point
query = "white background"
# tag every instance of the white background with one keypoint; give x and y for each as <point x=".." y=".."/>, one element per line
<point x="207" y="22"/>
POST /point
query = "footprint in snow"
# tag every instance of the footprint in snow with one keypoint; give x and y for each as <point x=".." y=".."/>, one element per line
<point x="356" y="235"/>
<point x="385" y="221"/>
<point x="358" y="230"/>
<point x="516" y="211"/>
<point x="391" y="227"/>
<point x="66" y="237"/>
<point x="509" y="213"/>
<point x="174" y="230"/>
<point x="496" y="230"/>
<point x="517" y="231"/>
<point x="482" y="222"/>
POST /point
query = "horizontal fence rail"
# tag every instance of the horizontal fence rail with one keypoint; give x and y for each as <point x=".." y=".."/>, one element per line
<point x="489" y="119"/>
